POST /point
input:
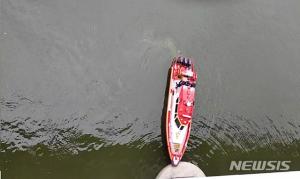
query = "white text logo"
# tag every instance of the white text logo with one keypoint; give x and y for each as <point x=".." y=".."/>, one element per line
<point x="259" y="165"/>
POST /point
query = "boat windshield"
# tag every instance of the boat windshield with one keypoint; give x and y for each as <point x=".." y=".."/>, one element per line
<point x="185" y="83"/>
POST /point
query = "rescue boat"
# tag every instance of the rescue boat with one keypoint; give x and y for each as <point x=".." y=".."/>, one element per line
<point x="181" y="100"/>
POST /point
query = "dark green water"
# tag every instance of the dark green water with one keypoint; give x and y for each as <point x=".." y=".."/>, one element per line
<point x="82" y="85"/>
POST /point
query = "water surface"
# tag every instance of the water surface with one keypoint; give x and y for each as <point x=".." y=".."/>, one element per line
<point x="82" y="84"/>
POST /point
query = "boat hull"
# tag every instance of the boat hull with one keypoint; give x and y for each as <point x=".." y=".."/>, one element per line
<point x="180" y="106"/>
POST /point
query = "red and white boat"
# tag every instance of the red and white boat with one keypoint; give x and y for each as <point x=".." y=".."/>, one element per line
<point x="181" y="100"/>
